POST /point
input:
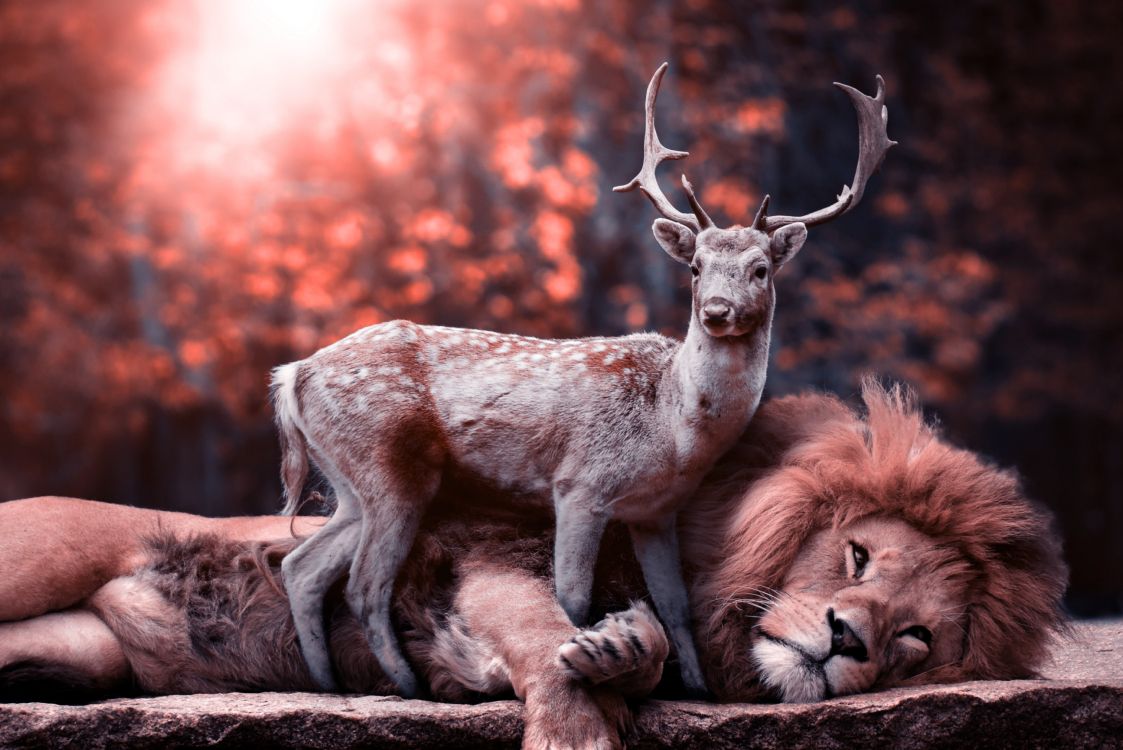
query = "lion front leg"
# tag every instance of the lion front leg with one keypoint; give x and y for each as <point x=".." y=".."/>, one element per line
<point x="518" y="616"/>
<point x="625" y="652"/>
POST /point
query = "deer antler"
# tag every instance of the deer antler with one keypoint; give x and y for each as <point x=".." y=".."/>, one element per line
<point x="873" y="143"/>
<point x="654" y="154"/>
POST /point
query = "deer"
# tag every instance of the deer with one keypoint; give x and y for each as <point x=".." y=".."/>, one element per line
<point x="596" y="429"/>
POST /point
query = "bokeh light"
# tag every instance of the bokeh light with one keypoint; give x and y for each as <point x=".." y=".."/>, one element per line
<point x="193" y="191"/>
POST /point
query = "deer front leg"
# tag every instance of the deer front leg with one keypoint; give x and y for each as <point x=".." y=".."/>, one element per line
<point x="517" y="615"/>
<point x="657" y="550"/>
<point x="576" y="545"/>
<point x="308" y="572"/>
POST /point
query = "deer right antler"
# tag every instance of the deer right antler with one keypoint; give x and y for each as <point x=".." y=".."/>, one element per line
<point x="654" y="154"/>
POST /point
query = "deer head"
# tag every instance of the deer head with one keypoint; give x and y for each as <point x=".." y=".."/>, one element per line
<point x="733" y="267"/>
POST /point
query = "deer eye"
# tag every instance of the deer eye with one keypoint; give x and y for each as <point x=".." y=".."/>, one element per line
<point x="861" y="556"/>
<point x="919" y="632"/>
<point x="760" y="272"/>
<point x="694" y="270"/>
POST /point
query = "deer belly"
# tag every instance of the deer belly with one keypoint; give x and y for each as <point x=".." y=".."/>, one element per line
<point x="507" y="470"/>
<point x="505" y="453"/>
<point x="499" y="427"/>
<point x="652" y="502"/>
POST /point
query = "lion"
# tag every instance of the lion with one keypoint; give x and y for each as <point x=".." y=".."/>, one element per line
<point x="832" y="551"/>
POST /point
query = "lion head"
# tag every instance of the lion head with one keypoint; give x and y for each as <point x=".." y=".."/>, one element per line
<point x="837" y="552"/>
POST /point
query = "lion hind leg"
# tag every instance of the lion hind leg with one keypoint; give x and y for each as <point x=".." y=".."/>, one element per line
<point x="624" y="651"/>
<point x="72" y="652"/>
<point x="151" y="631"/>
<point x="458" y="662"/>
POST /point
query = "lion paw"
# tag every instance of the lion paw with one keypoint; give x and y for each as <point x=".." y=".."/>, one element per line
<point x="628" y="646"/>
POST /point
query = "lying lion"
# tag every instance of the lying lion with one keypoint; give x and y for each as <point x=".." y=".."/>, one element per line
<point x="829" y="553"/>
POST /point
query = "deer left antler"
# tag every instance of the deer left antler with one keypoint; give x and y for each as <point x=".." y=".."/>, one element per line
<point x="873" y="143"/>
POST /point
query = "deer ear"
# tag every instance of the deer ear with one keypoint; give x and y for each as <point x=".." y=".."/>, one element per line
<point x="786" y="242"/>
<point x="675" y="238"/>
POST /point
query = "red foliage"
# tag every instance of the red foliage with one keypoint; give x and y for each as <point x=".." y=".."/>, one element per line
<point x="191" y="193"/>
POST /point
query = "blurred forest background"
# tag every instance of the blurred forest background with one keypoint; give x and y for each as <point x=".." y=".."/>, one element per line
<point x="194" y="191"/>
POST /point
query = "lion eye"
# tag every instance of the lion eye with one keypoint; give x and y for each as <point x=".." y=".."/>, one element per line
<point x="919" y="632"/>
<point x="861" y="556"/>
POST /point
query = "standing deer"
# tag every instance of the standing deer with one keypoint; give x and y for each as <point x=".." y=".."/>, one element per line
<point x="601" y="428"/>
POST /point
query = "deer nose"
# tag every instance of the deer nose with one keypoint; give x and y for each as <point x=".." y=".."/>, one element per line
<point x="717" y="312"/>
<point x="844" y="641"/>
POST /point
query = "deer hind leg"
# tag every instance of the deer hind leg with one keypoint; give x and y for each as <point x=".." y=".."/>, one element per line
<point x="71" y="652"/>
<point x="393" y="504"/>
<point x="657" y="550"/>
<point x="308" y="572"/>
<point x="576" y="544"/>
<point x="625" y="652"/>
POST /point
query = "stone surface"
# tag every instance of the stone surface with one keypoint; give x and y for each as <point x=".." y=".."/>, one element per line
<point x="1080" y="704"/>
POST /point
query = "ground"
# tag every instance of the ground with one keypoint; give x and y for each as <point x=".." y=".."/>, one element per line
<point x="1078" y="704"/>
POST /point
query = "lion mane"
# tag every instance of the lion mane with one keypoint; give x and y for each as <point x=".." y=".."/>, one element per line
<point x="810" y="462"/>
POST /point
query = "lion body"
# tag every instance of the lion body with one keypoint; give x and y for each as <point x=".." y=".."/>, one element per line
<point x="960" y="578"/>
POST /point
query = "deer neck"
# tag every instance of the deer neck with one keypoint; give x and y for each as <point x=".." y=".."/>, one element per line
<point x="716" y="385"/>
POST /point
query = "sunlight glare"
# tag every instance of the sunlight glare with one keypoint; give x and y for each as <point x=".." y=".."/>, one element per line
<point x="255" y="63"/>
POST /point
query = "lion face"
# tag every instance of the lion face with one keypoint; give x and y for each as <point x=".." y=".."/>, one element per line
<point x="835" y="551"/>
<point x="862" y="607"/>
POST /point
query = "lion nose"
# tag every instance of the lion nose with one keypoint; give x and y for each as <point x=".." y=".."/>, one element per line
<point x="844" y="642"/>
<point x="717" y="312"/>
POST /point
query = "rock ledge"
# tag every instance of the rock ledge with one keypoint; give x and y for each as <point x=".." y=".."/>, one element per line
<point x="1079" y="705"/>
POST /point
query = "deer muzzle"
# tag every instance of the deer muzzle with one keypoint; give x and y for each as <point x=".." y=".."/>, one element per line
<point x="717" y="315"/>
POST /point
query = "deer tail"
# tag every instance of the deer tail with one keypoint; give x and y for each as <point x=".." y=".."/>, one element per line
<point x="294" y="448"/>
